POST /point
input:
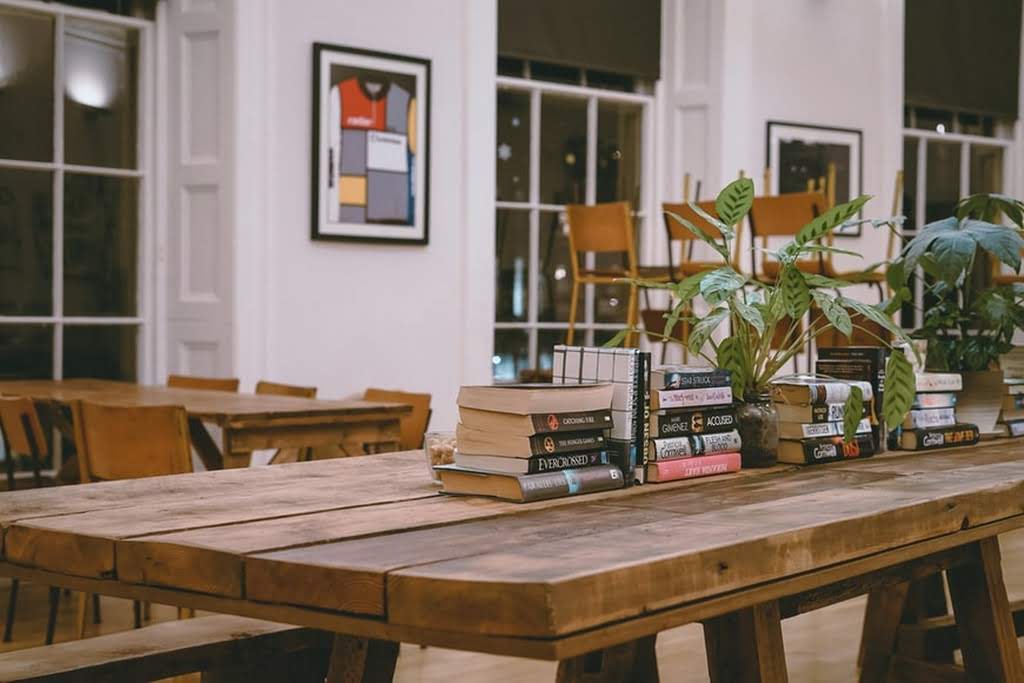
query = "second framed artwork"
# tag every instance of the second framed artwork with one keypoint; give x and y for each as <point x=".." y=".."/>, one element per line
<point x="371" y="146"/>
<point x="799" y="154"/>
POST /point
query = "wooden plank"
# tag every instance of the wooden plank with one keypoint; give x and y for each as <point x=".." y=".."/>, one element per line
<point x="939" y="634"/>
<point x="632" y="662"/>
<point x="361" y="660"/>
<point x="878" y="636"/>
<point x="987" y="638"/>
<point x="204" y="445"/>
<point x="300" y="436"/>
<point x="907" y="670"/>
<point x="652" y="566"/>
<point x="746" y="646"/>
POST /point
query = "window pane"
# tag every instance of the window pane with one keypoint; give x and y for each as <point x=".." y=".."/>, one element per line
<point x="26" y="242"/>
<point x="937" y="120"/>
<point x="100" y="351"/>
<point x="100" y="94"/>
<point x="909" y="209"/>
<point x="546" y="341"/>
<point x="26" y="86"/>
<point x="26" y="352"/>
<point x="986" y="168"/>
<point x="942" y="182"/>
<point x="511" y="354"/>
<point x="554" y="286"/>
<point x="100" y="245"/>
<point x="512" y="265"/>
<point x="513" y="146"/>
<point x="619" y="129"/>
<point x="563" y="150"/>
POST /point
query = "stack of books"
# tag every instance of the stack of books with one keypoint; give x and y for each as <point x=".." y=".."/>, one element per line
<point x="628" y="371"/>
<point x="527" y="442"/>
<point x="693" y="423"/>
<point x="811" y="420"/>
<point x="932" y="420"/>
<point x="1011" y="415"/>
<point x="863" y="363"/>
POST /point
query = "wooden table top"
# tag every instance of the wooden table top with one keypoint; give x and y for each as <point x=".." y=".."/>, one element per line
<point x="368" y="547"/>
<point x="208" y="405"/>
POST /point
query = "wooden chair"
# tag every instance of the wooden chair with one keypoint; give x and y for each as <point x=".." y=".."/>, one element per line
<point x="783" y="215"/>
<point x="203" y="383"/>
<point x="413" y="425"/>
<point x="677" y="232"/>
<point x="23" y="434"/>
<point x="128" y="442"/>
<point x="276" y="389"/>
<point x="603" y="229"/>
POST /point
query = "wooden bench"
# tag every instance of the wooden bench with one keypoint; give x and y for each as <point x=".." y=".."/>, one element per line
<point x="228" y="647"/>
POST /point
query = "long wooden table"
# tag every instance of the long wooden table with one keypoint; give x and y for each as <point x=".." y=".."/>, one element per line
<point x="247" y="422"/>
<point x="368" y="549"/>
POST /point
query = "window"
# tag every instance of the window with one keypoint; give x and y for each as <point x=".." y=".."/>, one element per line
<point x="947" y="155"/>
<point x="559" y="141"/>
<point x="73" y="187"/>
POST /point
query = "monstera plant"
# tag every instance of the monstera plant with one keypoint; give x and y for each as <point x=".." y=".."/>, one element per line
<point x="756" y="320"/>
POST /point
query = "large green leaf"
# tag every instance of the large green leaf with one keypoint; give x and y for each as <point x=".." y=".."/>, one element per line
<point x="875" y="315"/>
<point x="852" y="413"/>
<point x="704" y="328"/>
<point x="751" y="314"/>
<point x="919" y="245"/>
<point x="718" y="285"/>
<point x="617" y="340"/>
<point x="999" y="240"/>
<point x="796" y="297"/>
<point x="690" y="287"/>
<point x="829" y="220"/>
<point x="952" y="253"/>
<point x="731" y="357"/>
<point x="836" y="314"/>
<point x="699" y="233"/>
<point x="896" y="274"/>
<point x="900" y="387"/>
<point x="722" y="226"/>
<point x="733" y="202"/>
<point x="825" y="249"/>
<point x="815" y="280"/>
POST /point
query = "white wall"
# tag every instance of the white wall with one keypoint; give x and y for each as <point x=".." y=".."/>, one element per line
<point x="344" y="316"/>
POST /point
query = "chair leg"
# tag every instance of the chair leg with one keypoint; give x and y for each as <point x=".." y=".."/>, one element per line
<point x="12" y="604"/>
<point x="51" y="618"/>
<point x="572" y="313"/>
<point x="81" y="615"/>
<point x="631" y="317"/>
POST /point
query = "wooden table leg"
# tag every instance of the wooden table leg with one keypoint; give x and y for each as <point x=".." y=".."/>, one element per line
<point x="362" y="660"/>
<point x="746" y="646"/>
<point x="631" y="662"/>
<point x="878" y="637"/>
<point x="987" y="637"/>
<point x="204" y="444"/>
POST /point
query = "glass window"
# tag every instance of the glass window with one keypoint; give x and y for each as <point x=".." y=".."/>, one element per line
<point x="563" y="150"/>
<point x="554" y="289"/>
<point x="26" y="351"/>
<point x="512" y="264"/>
<point x="909" y="202"/>
<point x="513" y="152"/>
<point x="100" y="351"/>
<point x="554" y="73"/>
<point x="619" y="141"/>
<point x="986" y="168"/>
<point x="943" y="173"/>
<point x="511" y="354"/>
<point x="26" y="242"/>
<point x="26" y="86"/>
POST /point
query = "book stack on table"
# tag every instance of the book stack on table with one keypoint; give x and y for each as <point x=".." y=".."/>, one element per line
<point x="1011" y="415"/>
<point x="693" y="423"/>
<point x="863" y="363"/>
<point x="527" y="442"/>
<point x="932" y="421"/>
<point x="811" y="420"/>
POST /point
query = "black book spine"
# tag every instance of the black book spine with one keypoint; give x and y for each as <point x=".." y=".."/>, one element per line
<point x="569" y="482"/>
<point x="691" y="421"/>
<point x="962" y="434"/>
<point x="547" y="423"/>
<point x="642" y="423"/>
<point x="547" y="444"/>
<point x="829" y="449"/>
<point x="695" y="380"/>
<point x="551" y="463"/>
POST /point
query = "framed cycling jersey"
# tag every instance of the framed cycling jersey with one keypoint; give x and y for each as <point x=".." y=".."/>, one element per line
<point x="371" y="146"/>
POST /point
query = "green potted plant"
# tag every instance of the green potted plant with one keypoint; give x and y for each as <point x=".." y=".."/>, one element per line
<point x="967" y="321"/>
<point x="756" y="312"/>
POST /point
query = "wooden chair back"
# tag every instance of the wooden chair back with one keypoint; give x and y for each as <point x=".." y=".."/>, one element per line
<point x="130" y="442"/>
<point x="22" y="430"/>
<point x="413" y="425"/>
<point x="785" y="214"/>
<point x="601" y="228"/>
<point x="277" y="389"/>
<point x="677" y="232"/>
<point x="203" y="383"/>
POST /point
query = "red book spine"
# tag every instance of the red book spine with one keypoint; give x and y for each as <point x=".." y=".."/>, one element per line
<point x="703" y="466"/>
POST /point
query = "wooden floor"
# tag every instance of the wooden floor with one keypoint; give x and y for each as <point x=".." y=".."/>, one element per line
<point x="820" y="646"/>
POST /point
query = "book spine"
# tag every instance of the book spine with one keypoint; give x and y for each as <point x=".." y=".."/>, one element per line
<point x="821" y="429"/>
<point x="550" y="463"/>
<point x="689" y="468"/>
<point x="547" y="444"/>
<point x="962" y="434"/>
<point x="1015" y="389"/>
<point x="571" y="422"/>
<point x="1018" y="400"/>
<point x="693" y="398"/>
<point x="833" y="448"/>
<point x="569" y="482"/>
<point x="874" y="354"/>
<point x="668" y="379"/>
<point x="942" y="400"/>
<point x="830" y="412"/>
<point x="934" y="417"/>
<point x="643" y="421"/>
<point x="690" y="446"/>
<point x="1015" y="427"/>
<point x="623" y="444"/>
<point x="687" y="422"/>
<point x="939" y="382"/>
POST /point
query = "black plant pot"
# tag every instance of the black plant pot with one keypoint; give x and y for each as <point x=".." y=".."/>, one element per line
<point x="758" y="424"/>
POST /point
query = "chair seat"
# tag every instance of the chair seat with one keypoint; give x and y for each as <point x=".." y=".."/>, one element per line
<point x="657" y="273"/>
<point x="770" y="268"/>
<point x="1006" y="279"/>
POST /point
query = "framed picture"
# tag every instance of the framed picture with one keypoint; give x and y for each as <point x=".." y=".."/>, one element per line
<point x="371" y="146"/>
<point x="799" y="153"/>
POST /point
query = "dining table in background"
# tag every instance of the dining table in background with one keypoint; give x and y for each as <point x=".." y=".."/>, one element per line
<point x="247" y="422"/>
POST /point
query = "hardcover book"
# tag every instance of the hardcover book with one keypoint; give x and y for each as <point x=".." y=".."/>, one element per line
<point x="685" y="422"/>
<point x="537" y="423"/>
<point x="534" y="465"/>
<point x="526" y="488"/>
<point x="528" y="399"/>
<point x="476" y="442"/>
<point x="813" y="390"/>
<point x="938" y="381"/>
<point x="813" y="412"/>
<point x="961" y="434"/>
<point x="875" y="356"/>
<point x="811" y="430"/>
<point x="1011" y="428"/>
<point x="699" y="444"/>
<point x="689" y="468"/>
<point x="689" y="377"/>
<point x="944" y="399"/>
<point x="827" y="449"/>
<point x="1013" y="402"/>
<point x="930" y="417"/>
<point x="1014" y="387"/>
<point x="691" y="398"/>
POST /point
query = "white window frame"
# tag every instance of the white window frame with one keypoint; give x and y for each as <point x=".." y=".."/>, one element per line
<point x="143" y="173"/>
<point x="586" y="327"/>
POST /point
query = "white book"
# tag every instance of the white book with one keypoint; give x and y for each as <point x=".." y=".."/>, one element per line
<point x="939" y="381"/>
<point x="934" y="417"/>
<point x="810" y="430"/>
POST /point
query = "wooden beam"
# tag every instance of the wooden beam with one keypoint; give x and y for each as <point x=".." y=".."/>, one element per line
<point x="635" y="661"/>
<point x="746" y="646"/>
<point x="878" y="637"/>
<point x="906" y="670"/>
<point x="361" y="660"/>
<point x="940" y="634"/>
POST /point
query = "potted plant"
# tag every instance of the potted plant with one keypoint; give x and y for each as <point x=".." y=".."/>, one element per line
<point x="756" y="312"/>
<point x="967" y="322"/>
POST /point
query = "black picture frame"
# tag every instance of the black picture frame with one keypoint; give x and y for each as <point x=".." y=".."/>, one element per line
<point x="403" y="75"/>
<point x="821" y="141"/>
